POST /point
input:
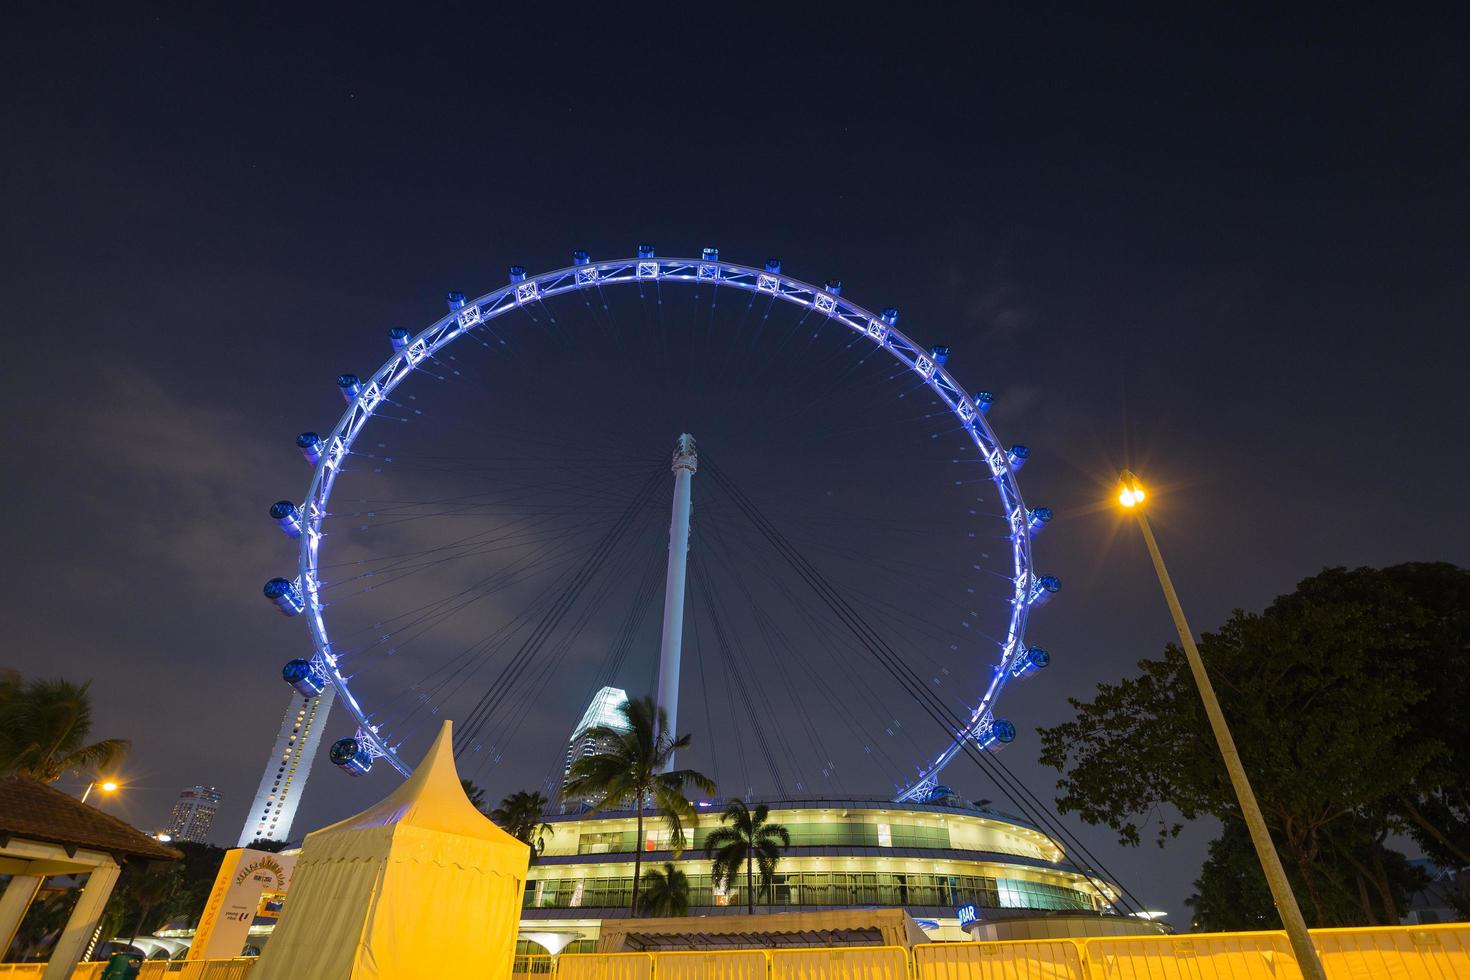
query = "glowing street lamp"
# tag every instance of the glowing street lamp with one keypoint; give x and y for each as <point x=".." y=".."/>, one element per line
<point x="1131" y="496"/>
<point x="104" y="786"/>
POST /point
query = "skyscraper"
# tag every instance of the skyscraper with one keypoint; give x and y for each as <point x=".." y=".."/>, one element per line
<point x="284" y="779"/>
<point x="605" y="711"/>
<point x="193" y="814"/>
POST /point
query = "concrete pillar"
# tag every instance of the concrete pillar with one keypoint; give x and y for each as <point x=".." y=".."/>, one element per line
<point x="686" y="461"/>
<point x="13" y="904"/>
<point x="83" y="921"/>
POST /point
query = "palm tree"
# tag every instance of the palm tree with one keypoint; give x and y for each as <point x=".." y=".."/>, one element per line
<point x="630" y="770"/>
<point x="746" y="839"/>
<point x="519" y="814"/>
<point x="475" y="794"/>
<point x="44" y="726"/>
<point x="667" y="892"/>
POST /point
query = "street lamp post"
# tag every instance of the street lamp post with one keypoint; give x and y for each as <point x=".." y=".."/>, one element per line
<point x="106" y="786"/>
<point x="1131" y="497"/>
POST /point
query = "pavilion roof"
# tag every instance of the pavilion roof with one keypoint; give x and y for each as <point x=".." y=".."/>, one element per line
<point x="35" y="811"/>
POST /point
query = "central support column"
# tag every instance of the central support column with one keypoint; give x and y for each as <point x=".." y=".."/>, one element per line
<point x="686" y="461"/>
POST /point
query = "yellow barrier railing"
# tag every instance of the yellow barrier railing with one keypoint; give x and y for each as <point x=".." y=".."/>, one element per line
<point x="605" y="966"/>
<point x="1439" y="952"/>
<point x="842" y="963"/>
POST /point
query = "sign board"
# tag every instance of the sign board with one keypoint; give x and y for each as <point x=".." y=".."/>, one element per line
<point x="249" y="883"/>
<point x="966" y="915"/>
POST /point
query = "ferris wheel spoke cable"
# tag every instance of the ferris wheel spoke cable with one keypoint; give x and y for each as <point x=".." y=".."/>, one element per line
<point x="756" y="680"/>
<point x="531" y="691"/>
<point x="823" y="638"/>
<point x="709" y="716"/>
<point x="470" y="546"/>
<point x="1037" y="811"/>
<point x="897" y="670"/>
<point x="492" y="697"/>
<point x="736" y="679"/>
<point x="617" y="651"/>
<point x="446" y="606"/>
<point x="723" y="551"/>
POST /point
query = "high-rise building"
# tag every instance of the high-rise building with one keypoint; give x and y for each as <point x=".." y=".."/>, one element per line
<point x="605" y="711"/>
<point x="193" y="814"/>
<point x="284" y="779"/>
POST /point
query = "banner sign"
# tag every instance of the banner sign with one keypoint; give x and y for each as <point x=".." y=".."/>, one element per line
<point x="248" y="881"/>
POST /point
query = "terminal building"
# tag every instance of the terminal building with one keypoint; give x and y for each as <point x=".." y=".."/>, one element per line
<point x="935" y="860"/>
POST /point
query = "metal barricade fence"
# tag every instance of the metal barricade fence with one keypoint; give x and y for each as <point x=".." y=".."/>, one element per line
<point x="732" y="964"/>
<point x="1213" y="956"/>
<point x="533" y="964"/>
<point x="153" y="970"/>
<point x="845" y="963"/>
<point x="21" y="971"/>
<point x="605" y="966"/>
<point x="1058" y="959"/>
<point x="1395" y="952"/>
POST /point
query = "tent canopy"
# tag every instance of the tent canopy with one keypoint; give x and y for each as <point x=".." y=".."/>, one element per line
<point x="419" y="885"/>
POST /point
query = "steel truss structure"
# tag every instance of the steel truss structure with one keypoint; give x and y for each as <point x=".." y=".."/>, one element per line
<point x="302" y="596"/>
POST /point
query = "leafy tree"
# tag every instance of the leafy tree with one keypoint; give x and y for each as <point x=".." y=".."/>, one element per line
<point x="630" y="770"/>
<point x="520" y="816"/>
<point x="666" y="892"/>
<point x="44" y="725"/>
<point x="746" y="839"/>
<point x="1325" y="693"/>
<point x="149" y="893"/>
<point x="267" y="844"/>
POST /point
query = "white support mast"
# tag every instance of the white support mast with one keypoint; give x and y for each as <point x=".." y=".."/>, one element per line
<point x="686" y="461"/>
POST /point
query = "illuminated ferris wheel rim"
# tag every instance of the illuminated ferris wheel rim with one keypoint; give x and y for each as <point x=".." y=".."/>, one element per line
<point x="364" y="397"/>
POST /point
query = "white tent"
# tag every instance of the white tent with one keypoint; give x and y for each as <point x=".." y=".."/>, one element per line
<point x="419" y="886"/>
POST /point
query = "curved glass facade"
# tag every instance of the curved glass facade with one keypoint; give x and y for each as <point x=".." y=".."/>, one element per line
<point x="929" y="859"/>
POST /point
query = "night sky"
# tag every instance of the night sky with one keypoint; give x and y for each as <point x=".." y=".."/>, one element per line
<point x="1228" y="249"/>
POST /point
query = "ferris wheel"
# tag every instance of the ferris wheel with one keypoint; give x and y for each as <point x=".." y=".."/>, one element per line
<point x="389" y="575"/>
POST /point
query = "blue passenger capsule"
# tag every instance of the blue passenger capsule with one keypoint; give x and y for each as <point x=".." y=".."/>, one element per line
<point x="455" y="301"/>
<point x="1038" y="519"/>
<point x="351" y="757"/>
<point x="1018" y="456"/>
<point x="580" y="257"/>
<point x="1032" y="660"/>
<point x="310" y="445"/>
<point x="1042" y="590"/>
<point x="939" y="353"/>
<point x="773" y="266"/>
<point x="890" y="316"/>
<point x="350" y="384"/>
<point x="517" y="273"/>
<point x="983" y="401"/>
<point x="288" y="517"/>
<point x="710" y="254"/>
<point x="398" y="337"/>
<point x="834" y="286"/>
<point x="645" y="251"/>
<point x="1002" y="730"/>
<point x="308" y="679"/>
<point x="285" y="595"/>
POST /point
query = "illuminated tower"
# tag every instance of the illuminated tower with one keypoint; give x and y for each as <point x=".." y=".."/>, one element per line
<point x="686" y="461"/>
<point x="284" y="779"/>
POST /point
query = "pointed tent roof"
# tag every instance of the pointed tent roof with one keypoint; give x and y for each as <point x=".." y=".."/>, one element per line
<point x="431" y="799"/>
